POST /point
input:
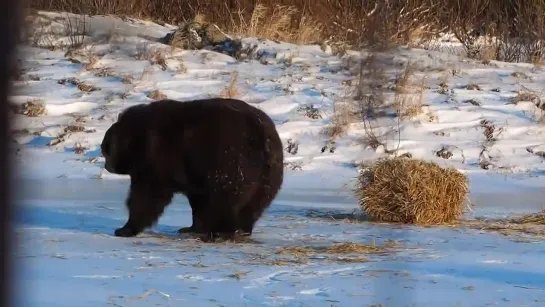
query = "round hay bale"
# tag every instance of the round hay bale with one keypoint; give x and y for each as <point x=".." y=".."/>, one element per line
<point x="403" y="190"/>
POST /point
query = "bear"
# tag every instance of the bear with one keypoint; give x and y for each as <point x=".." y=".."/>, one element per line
<point x="223" y="154"/>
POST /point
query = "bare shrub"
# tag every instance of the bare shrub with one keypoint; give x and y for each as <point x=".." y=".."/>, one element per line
<point x="520" y="39"/>
<point x="412" y="191"/>
<point x="408" y="96"/>
<point x="341" y="118"/>
<point x="79" y="148"/>
<point x="308" y="31"/>
<point x="466" y="22"/>
<point x="279" y="21"/>
<point x="489" y="131"/>
<point x="371" y="102"/>
<point x="75" y="29"/>
<point x="92" y="59"/>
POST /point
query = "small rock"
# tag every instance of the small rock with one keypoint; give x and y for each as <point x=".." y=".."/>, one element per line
<point x="473" y="102"/>
<point x="444" y="153"/>
<point x="473" y="87"/>
<point x="406" y="155"/>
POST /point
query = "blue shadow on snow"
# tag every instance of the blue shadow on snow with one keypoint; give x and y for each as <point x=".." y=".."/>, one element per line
<point x="60" y="218"/>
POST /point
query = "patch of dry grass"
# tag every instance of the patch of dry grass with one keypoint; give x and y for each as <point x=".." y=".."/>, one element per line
<point x="340" y="252"/>
<point x="534" y="218"/>
<point x="310" y="111"/>
<point x="275" y="22"/>
<point x="157" y="95"/>
<point x="74" y="128"/>
<point x="239" y="275"/>
<point x="92" y="59"/>
<point x="339" y="248"/>
<point x="526" y="96"/>
<point x="182" y="68"/>
<point x="473" y="87"/>
<point x="531" y="224"/>
<point x="157" y="57"/>
<point x="286" y="262"/>
<point x="411" y="191"/>
<point x="231" y="91"/>
<point x="32" y="108"/>
<point x="103" y="72"/>
<point x="127" y="79"/>
<point x="86" y="87"/>
<point x="82" y="86"/>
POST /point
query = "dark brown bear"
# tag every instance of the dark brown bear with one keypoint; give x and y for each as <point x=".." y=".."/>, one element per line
<point x="224" y="155"/>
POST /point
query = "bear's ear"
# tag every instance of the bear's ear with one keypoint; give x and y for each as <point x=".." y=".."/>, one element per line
<point x="123" y="112"/>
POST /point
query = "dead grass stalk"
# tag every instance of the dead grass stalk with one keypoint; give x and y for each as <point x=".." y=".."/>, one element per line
<point x="230" y="91"/>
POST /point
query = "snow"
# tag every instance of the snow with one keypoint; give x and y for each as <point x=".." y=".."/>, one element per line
<point x="70" y="206"/>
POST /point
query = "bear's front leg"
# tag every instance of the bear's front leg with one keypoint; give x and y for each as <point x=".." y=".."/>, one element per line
<point x="197" y="203"/>
<point x="146" y="202"/>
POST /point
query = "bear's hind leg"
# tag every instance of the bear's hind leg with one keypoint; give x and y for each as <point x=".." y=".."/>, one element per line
<point x="252" y="211"/>
<point x="246" y="221"/>
<point x="145" y="204"/>
<point x="220" y="216"/>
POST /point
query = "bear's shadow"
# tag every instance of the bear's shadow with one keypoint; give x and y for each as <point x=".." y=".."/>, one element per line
<point x="84" y="221"/>
<point x="102" y="220"/>
<point x="63" y="219"/>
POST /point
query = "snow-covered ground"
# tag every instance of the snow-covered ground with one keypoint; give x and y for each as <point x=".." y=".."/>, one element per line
<point x="71" y="206"/>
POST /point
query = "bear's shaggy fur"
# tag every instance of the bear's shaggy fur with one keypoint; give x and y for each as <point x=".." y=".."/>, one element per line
<point x="224" y="155"/>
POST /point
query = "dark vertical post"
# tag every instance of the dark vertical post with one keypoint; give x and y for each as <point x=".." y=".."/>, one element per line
<point x="9" y="23"/>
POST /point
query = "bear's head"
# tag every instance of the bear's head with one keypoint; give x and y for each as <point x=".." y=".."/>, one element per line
<point x="122" y="141"/>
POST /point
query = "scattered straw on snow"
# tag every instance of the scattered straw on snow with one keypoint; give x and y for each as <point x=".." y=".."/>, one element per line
<point x="531" y="224"/>
<point x="533" y="218"/>
<point x="411" y="191"/>
<point x="340" y="248"/>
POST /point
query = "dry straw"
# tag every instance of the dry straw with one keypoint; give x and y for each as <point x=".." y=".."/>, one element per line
<point x="533" y="218"/>
<point x="411" y="191"/>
